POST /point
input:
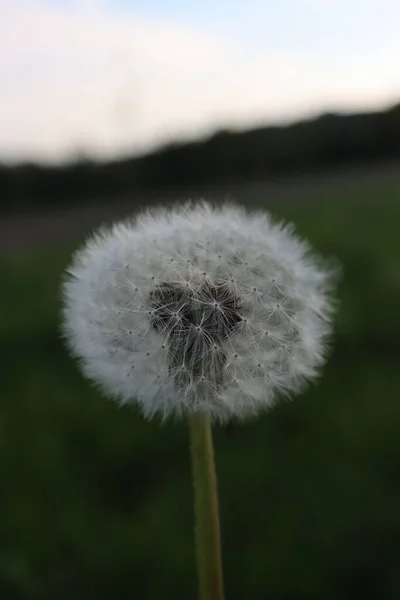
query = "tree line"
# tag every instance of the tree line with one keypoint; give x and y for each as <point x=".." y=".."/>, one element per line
<point x="227" y="157"/>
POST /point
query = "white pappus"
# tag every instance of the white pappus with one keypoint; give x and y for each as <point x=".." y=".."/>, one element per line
<point x="198" y="308"/>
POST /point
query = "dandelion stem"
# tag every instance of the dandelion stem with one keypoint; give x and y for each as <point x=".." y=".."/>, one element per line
<point x="208" y="542"/>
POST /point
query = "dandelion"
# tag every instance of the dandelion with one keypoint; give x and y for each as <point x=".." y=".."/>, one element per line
<point x="198" y="309"/>
<point x="209" y="312"/>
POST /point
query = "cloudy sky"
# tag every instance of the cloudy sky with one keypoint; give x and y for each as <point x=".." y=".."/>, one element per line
<point x="104" y="77"/>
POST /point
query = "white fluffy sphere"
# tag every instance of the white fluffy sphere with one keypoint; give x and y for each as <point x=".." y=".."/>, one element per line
<point x="198" y="308"/>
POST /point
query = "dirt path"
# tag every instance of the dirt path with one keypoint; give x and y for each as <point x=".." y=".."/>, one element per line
<point x="27" y="232"/>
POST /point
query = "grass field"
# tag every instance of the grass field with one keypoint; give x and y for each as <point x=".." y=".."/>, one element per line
<point x="96" y="503"/>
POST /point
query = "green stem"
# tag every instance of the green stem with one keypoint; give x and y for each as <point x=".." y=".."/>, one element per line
<point x="208" y="542"/>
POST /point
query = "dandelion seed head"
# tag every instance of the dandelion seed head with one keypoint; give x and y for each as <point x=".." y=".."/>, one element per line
<point x="198" y="308"/>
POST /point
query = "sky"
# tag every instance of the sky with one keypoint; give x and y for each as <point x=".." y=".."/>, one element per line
<point x="104" y="78"/>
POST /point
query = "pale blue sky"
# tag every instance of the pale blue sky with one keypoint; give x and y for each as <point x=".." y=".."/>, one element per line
<point x="290" y="24"/>
<point x="112" y="76"/>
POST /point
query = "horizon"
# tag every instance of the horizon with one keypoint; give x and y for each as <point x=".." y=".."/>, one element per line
<point x="180" y="142"/>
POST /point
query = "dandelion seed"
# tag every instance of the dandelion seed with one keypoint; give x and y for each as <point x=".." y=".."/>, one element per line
<point x="240" y="305"/>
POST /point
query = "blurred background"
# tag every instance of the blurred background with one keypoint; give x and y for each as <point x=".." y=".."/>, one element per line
<point x="110" y="106"/>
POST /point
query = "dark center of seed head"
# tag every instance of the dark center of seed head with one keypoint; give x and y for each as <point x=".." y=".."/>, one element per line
<point x="205" y="315"/>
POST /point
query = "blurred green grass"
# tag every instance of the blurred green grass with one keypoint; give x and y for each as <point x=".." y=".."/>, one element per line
<point x="96" y="503"/>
